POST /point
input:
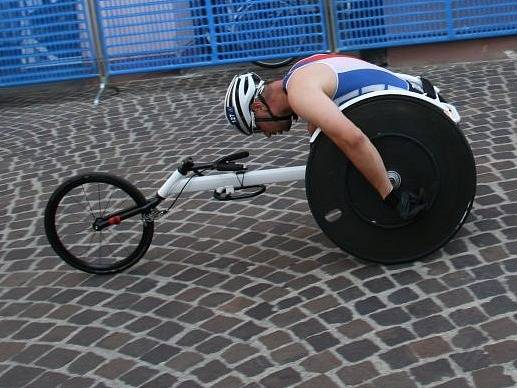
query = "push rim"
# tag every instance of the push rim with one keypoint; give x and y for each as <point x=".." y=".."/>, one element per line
<point x="422" y="172"/>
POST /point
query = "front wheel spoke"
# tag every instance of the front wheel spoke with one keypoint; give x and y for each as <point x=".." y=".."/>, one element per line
<point x="84" y="219"/>
<point x="87" y="201"/>
<point x="85" y="208"/>
<point x="70" y="233"/>
<point x="99" y="197"/>
<point x="108" y="204"/>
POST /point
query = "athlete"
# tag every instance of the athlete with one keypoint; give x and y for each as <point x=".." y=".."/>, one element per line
<point x="313" y="89"/>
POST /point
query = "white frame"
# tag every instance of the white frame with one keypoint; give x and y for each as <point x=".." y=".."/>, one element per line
<point x="177" y="182"/>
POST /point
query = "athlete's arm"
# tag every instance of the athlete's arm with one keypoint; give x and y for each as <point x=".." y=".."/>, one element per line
<point x="311" y="128"/>
<point x="308" y="93"/>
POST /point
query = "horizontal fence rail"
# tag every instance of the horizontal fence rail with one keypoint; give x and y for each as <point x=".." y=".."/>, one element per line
<point x="43" y="41"/>
<point x="363" y="24"/>
<point x="157" y="35"/>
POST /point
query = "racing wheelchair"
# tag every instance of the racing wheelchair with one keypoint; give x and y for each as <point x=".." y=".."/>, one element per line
<point x="101" y="223"/>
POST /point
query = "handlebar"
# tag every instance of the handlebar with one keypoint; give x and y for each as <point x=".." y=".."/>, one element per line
<point x="222" y="164"/>
<point x="235" y="156"/>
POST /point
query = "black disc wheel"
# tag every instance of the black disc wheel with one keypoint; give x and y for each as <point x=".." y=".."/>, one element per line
<point x="69" y="223"/>
<point x="421" y="149"/>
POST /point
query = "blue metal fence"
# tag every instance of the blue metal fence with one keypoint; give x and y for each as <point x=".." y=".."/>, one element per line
<point x="363" y="24"/>
<point x="158" y="34"/>
<point x="44" y="40"/>
<point x="51" y="40"/>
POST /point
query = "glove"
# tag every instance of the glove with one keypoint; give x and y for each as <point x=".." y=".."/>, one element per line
<point x="410" y="204"/>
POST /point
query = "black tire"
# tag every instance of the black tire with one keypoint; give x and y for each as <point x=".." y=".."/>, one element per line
<point x="415" y="139"/>
<point x="74" y="204"/>
<point x="274" y="63"/>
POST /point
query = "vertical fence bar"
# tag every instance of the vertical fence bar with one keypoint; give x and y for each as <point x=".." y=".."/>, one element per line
<point x="211" y="29"/>
<point x="449" y="19"/>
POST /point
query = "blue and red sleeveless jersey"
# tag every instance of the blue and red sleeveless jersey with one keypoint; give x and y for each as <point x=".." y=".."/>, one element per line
<point x="354" y="76"/>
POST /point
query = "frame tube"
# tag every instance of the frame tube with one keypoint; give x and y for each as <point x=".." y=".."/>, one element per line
<point x="176" y="182"/>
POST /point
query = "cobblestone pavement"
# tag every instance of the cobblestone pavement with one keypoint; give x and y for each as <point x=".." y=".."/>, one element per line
<point x="251" y="293"/>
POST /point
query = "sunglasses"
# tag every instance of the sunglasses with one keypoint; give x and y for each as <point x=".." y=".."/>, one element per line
<point x="268" y="119"/>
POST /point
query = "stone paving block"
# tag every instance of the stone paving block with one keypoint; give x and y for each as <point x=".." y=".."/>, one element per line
<point x="211" y="371"/>
<point x="357" y="350"/>
<point x="57" y="358"/>
<point x="472" y="360"/>
<point x="369" y="305"/>
<point x="189" y="384"/>
<point x="78" y="382"/>
<point x="114" y="368"/>
<point x="499" y="305"/>
<point x="32" y="330"/>
<point x="229" y="382"/>
<point x="163" y="380"/>
<point x="184" y="361"/>
<point x="161" y="353"/>
<point x="37" y="311"/>
<point x="432" y="371"/>
<point x="399" y="380"/>
<point x="455" y="383"/>
<point x="403" y="295"/>
<point x="493" y="376"/>
<point x="19" y="376"/>
<point x="284" y="377"/>
<point x="246" y="331"/>
<point x="114" y="341"/>
<point x="85" y="363"/>
<point x="430" y="347"/>
<point x="275" y="339"/>
<point x="390" y="317"/>
<point x="138" y="376"/>
<point x="87" y="336"/>
<point x="500" y="328"/>
<point x="213" y="345"/>
<point x="358" y="373"/>
<point x="321" y="362"/>
<point x="432" y="325"/>
<point x="318" y="381"/>
<point x="30" y="353"/>
<point x="10" y="349"/>
<point x="289" y="353"/>
<point x="49" y="380"/>
<point x="238" y="352"/>
<point x="455" y="297"/>
<point x="503" y="352"/>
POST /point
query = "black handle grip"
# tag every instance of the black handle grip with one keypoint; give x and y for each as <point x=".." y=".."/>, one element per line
<point x="235" y="156"/>
<point x="230" y="167"/>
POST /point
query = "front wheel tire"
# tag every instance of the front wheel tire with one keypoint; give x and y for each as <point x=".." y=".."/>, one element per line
<point x="69" y="217"/>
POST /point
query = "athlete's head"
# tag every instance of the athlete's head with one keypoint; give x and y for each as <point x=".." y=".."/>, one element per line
<point x="247" y="109"/>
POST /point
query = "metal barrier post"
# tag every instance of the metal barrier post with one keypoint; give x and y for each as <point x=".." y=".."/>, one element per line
<point x="100" y="53"/>
<point x="330" y="15"/>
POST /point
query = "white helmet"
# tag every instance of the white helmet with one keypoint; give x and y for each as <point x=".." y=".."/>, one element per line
<point x="237" y="105"/>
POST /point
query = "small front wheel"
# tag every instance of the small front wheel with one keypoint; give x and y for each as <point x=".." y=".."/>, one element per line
<point x="69" y="223"/>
